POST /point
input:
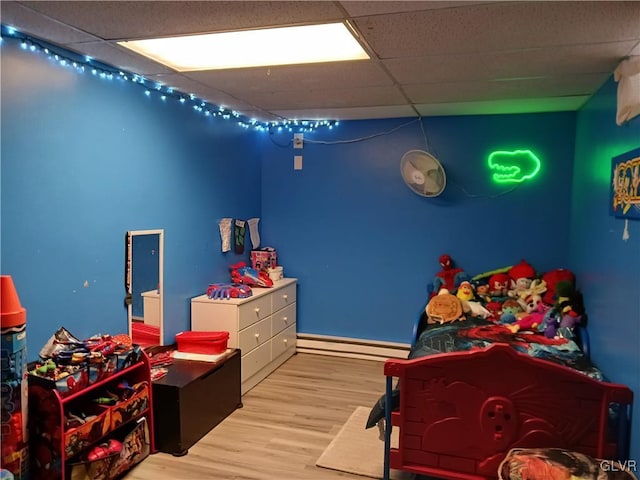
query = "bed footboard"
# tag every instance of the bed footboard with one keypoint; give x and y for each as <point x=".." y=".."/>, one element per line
<point x="460" y="413"/>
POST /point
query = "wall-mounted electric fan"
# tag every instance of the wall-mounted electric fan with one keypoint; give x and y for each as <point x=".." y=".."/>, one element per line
<point x="423" y="173"/>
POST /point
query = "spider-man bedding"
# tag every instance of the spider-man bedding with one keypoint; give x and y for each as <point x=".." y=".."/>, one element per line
<point x="475" y="333"/>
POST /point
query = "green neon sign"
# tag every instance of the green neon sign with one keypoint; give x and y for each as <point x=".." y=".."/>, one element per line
<point x="513" y="167"/>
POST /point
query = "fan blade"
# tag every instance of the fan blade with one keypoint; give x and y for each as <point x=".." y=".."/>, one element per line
<point x="412" y="174"/>
<point x="433" y="182"/>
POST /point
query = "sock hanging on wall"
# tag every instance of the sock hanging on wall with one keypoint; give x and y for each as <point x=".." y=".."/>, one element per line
<point x="225" y="234"/>
<point x="239" y="230"/>
<point x="253" y="230"/>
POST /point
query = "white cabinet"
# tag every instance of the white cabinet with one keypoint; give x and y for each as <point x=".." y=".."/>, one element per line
<point x="262" y="326"/>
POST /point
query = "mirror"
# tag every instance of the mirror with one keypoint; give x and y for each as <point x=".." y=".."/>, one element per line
<point x="144" y="283"/>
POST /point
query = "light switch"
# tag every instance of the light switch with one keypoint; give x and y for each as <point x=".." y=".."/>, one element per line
<point x="297" y="162"/>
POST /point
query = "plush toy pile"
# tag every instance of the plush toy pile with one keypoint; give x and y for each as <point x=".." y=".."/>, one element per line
<point x="516" y="296"/>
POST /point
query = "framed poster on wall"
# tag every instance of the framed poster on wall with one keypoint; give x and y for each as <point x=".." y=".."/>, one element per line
<point x="624" y="201"/>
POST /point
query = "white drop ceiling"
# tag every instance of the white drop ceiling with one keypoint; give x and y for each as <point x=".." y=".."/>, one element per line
<point x="427" y="57"/>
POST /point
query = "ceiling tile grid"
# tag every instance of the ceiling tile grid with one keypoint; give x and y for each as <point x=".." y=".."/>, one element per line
<point x="428" y="57"/>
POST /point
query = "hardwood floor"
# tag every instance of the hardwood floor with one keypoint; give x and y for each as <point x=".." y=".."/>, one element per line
<point x="284" y="426"/>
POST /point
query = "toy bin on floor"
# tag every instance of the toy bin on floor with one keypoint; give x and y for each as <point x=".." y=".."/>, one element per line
<point x="208" y="343"/>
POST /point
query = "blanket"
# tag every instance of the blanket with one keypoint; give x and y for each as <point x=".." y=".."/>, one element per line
<point x="476" y="333"/>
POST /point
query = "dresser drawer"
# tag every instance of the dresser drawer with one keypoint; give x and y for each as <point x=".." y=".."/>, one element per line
<point x="251" y="312"/>
<point x="255" y="360"/>
<point x="254" y="335"/>
<point x="283" y="318"/>
<point x="283" y="297"/>
<point x="284" y="341"/>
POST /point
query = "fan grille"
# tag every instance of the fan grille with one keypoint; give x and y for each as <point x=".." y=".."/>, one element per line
<point x="423" y="173"/>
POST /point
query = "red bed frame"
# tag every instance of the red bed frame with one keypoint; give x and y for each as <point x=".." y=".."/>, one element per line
<point x="460" y="413"/>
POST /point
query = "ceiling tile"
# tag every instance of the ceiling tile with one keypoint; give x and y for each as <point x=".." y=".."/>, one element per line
<point x="359" y="9"/>
<point x="354" y="113"/>
<point x="327" y="98"/>
<point x="529" y="105"/>
<point x="144" y="19"/>
<point x="500" y="27"/>
<point x="342" y="75"/>
<point x="492" y="90"/>
<point x="567" y="60"/>
<point x="26" y="21"/>
<point x="189" y="86"/>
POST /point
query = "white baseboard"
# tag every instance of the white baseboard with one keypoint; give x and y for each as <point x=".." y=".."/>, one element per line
<point x="351" y="347"/>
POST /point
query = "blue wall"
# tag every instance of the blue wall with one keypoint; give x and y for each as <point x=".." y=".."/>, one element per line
<point x="365" y="247"/>
<point x="145" y="266"/>
<point x="86" y="159"/>
<point x="607" y="267"/>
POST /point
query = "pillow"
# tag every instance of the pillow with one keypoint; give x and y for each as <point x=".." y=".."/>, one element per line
<point x="559" y="464"/>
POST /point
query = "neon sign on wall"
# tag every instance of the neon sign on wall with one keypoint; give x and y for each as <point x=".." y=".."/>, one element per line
<point x="514" y="166"/>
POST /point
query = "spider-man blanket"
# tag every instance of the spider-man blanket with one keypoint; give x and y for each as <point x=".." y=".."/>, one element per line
<point x="475" y="333"/>
<point x="478" y="333"/>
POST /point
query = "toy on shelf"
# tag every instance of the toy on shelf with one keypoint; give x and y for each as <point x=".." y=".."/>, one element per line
<point x="112" y="447"/>
<point x="242" y="274"/>
<point x="225" y="291"/>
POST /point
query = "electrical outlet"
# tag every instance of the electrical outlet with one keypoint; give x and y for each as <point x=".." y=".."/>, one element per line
<point x="297" y="162"/>
<point x="298" y="140"/>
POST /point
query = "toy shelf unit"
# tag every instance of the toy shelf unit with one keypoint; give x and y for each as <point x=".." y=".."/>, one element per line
<point x="99" y="431"/>
<point x="262" y="326"/>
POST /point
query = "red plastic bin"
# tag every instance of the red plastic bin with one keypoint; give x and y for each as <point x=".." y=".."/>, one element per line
<point x="209" y="343"/>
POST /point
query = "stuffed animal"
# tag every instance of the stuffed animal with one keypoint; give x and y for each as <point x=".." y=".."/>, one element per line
<point x="511" y="311"/>
<point x="537" y="287"/>
<point x="449" y="277"/>
<point x="475" y="309"/>
<point x="495" y="308"/>
<point x="530" y="302"/>
<point x="532" y="321"/>
<point x="567" y="311"/>
<point x="482" y="292"/>
<point x="444" y="307"/>
<point x="465" y="291"/>
<point x="568" y="299"/>
<point x="551" y="278"/>
<point x="499" y="285"/>
<point x="521" y="276"/>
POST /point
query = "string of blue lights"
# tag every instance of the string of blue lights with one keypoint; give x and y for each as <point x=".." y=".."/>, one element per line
<point x="83" y="64"/>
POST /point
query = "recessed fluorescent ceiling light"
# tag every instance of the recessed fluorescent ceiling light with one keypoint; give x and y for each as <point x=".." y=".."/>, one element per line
<point x="331" y="42"/>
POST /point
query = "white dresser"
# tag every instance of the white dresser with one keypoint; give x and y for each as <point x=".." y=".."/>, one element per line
<point x="262" y="326"/>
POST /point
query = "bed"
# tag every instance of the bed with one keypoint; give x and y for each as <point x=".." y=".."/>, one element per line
<point x="472" y="390"/>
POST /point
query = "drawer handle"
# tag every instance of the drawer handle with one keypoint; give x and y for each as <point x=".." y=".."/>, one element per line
<point x="285" y="340"/>
<point x="285" y="318"/>
<point x="285" y="296"/>
<point x="257" y="310"/>
<point x="257" y="335"/>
